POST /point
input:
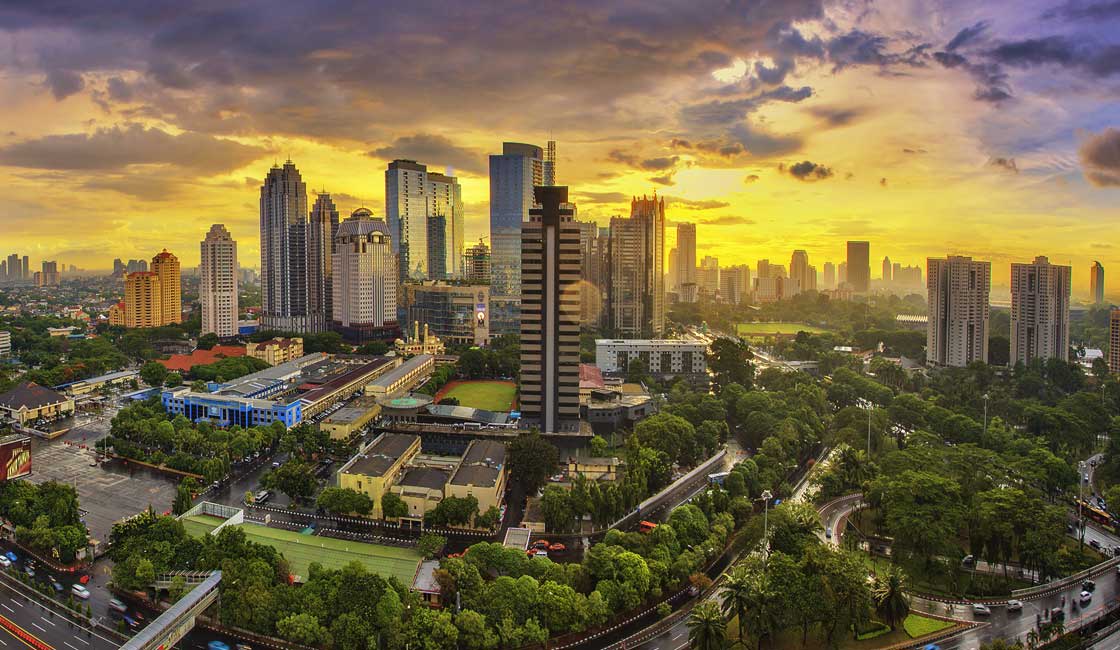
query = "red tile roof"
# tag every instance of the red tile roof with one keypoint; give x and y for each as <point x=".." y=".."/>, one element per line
<point x="184" y="362"/>
<point x="590" y="376"/>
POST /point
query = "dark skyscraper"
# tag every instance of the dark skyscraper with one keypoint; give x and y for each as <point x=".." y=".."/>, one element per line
<point x="321" y="229"/>
<point x="284" y="250"/>
<point x="859" y="266"/>
<point x="1096" y="283"/>
<point x="513" y="174"/>
<point x="437" y="247"/>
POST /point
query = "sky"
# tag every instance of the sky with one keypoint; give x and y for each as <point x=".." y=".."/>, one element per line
<point x="989" y="129"/>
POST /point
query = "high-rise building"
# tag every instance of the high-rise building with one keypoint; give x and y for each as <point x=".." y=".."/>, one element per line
<point x="957" y="290"/>
<point x="26" y="274"/>
<point x="5" y="343"/>
<point x="1114" y="340"/>
<point x="829" y="275"/>
<point x="895" y="268"/>
<point x="49" y="276"/>
<point x="909" y="277"/>
<point x="1040" y="311"/>
<point x="550" y="272"/>
<point x="887" y="270"/>
<point x="136" y="265"/>
<point x="166" y="267"/>
<point x="762" y="269"/>
<point x="637" y="280"/>
<point x="406" y="210"/>
<point x="842" y="274"/>
<point x="671" y="279"/>
<point x="476" y="264"/>
<point x="437" y="247"/>
<point x="709" y="276"/>
<point x="859" y="266"/>
<point x="513" y="174"/>
<point x="118" y="268"/>
<point x="217" y="289"/>
<point x="1096" y="283"/>
<point x="284" y="250"/>
<point x="322" y="226"/>
<point x="686" y="254"/>
<point x="734" y="283"/>
<point x="143" y="300"/>
<point x="364" y="278"/>
<point x="803" y="273"/>
<point x="595" y="275"/>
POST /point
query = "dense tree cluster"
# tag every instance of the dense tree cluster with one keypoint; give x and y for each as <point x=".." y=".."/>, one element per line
<point x="226" y="369"/>
<point x="46" y="517"/>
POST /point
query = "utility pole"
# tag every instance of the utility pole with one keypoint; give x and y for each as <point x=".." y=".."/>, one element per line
<point x="766" y="496"/>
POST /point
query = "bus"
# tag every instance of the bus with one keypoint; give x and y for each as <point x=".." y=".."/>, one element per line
<point x="1094" y="513"/>
<point x="646" y="526"/>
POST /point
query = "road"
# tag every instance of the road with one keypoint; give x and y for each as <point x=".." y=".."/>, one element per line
<point x="52" y="629"/>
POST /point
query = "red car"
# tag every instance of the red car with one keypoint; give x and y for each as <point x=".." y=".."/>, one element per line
<point x="541" y="544"/>
<point x="84" y="579"/>
<point x="557" y="547"/>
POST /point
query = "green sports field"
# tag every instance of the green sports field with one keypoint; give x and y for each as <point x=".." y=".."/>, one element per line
<point x="485" y="394"/>
<point x="752" y="330"/>
<point x="302" y="550"/>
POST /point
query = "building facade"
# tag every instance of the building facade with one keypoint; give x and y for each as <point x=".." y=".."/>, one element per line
<point x="276" y="351"/>
<point x="217" y="290"/>
<point x="143" y="300"/>
<point x="476" y="264"/>
<point x="1096" y="283"/>
<point x="437" y="247"/>
<point x="734" y="284"/>
<point x="550" y="306"/>
<point x="457" y="314"/>
<point x="412" y="196"/>
<point x="166" y="267"/>
<point x="513" y="175"/>
<point x="859" y="266"/>
<point x="284" y="304"/>
<point x="1040" y="311"/>
<point x="322" y="226"/>
<point x="686" y="255"/>
<point x="364" y="278"/>
<point x="957" y="292"/>
<point x="637" y="258"/>
<point x="1114" y="340"/>
<point x="662" y="357"/>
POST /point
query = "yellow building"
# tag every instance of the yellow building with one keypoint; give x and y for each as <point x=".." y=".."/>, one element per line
<point x="29" y="402"/>
<point x="481" y="473"/>
<point x="143" y="300"/>
<point x="421" y="489"/>
<point x="347" y="420"/>
<point x="276" y="351"/>
<point x="117" y="314"/>
<point x="376" y="468"/>
<point x="166" y="267"/>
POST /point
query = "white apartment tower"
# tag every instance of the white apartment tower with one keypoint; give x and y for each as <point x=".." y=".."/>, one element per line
<point x="1040" y="311"/>
<point x="364" y="281"/>
<point x="957" y="290"/>
<point x="218" y="288"/>
<point x="412" y="194"/>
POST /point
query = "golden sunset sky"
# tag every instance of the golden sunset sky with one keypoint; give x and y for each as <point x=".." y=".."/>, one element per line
<point x="985" y="129"/>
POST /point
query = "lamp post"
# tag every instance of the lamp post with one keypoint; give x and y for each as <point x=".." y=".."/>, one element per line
<point x="866" y="404"/>
<point x="985" y="414"/>
<point x="766" y="496"/>
<point x="1080" y="500"/>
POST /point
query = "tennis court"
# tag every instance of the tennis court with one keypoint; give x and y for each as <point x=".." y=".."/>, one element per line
<point x="485" y="394"/>
<point x="301" y="550"/>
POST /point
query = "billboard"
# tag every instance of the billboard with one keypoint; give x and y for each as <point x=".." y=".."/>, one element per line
<point x="15" y="457"/>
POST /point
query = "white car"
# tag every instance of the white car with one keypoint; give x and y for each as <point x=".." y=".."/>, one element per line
<point x="80" y="591"/>
<point x="980" y="609"/>
<point x="1014" y="606"/>
<point x="5" y="562"/>
<point x="1085" y="597"/>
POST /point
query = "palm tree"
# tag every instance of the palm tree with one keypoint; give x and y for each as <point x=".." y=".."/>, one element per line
<point x="707" y="629"/>
<point x="1032" y="639"/>
<point x="737" y="598"/>
<point x="891" y="600"/>
<point x="853" y="466"/>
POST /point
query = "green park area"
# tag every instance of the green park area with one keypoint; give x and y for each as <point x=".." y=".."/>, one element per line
<point x="878" y="635"/>
<point x="301" y="550"/>
<point x="763" y="330"/>
<point x="485" y="394"/>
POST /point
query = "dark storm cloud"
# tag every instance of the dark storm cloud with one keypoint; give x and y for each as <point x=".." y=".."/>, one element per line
<point x="1086" y="11"/>
<point x="968" y="35"/>
<point x="761" y="143"/>
<point x="665" y="179"/>
<point x="1006" y="164"/>
<point x="116" y="148"/>
<point x="658" y="164"/>
<point x="808" y="171"/>
<point x="717" y="112"/>
<point x="1100" y="158"/>
<point x="64" y="83"/>
<point x="436" y="151"/>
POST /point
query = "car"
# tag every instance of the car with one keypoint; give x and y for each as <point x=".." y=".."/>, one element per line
<point x="980" y="609"/>
<point x="29" y="570"/>
<point x="1085" y="596"/>
<point x="56" y="585"/>
<point x="80" y="591"/>
<point x="276" y="463"/>
<point x="217" y="645"/>
<point x="931" y="646"/>
<point x="1014" y="606"/>
<point x="262" y="496"/>
<point x="11" y="556"/>
<point x="84" y="579"/>
<point x="1057" y="614"/>
<point x="1095" y="544"/>
<point x="5" y="562"/>
<point x="828" y="532"/>
<point x="117" y="605"/>
<point x="540" y="552"/>
<point x="1089" y="585"/>
<point x="968" y="560"/>
<point x="540" y="543"/>
<point x="557" y="547"/>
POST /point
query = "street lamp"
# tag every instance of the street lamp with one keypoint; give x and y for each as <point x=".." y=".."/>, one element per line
<point x="985" y="414"/>
<point x="766" y="496"/>
<point x="866" y="404"/>
<point x="1081" y="499"/>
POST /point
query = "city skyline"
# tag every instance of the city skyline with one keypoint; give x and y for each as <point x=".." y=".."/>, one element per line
<point x="746" y="126"/>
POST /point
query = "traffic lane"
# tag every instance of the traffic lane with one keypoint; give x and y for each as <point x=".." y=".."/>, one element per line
<point x="53" y="629"/>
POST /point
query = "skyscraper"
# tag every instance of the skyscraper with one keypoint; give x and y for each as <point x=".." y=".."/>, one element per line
<point x="637" y="258"/>
<point x="143" y="300"/>
<point x="709" y="276"/>
<point x="217" y="290"/>
<point x="513" y="174"/>
<point x="733" y="283"/>
<point x="887" y="271"/>
<point x="476" y="264"/>
<point x="829" y="275"/>
<point x="591" y="298"/>
<point x="957" y="290"/>
<point x="1114" y="340"/>
<point x="50" y="276"/>
<point x="413" y="195"/>
<point x="550" y="265"/>
<point x="762" y="269"/>
<point x="859" y="266"/>
<point x="166" y="267"/>
<point x="842" y="274"/>
<point x="284" y="250"/>
<point x="364" y="278"/>
<point x="801" y="272"/>
<point x="437" y="247"/>
<point x="1096" y="283"/>
<point x="322" y="225"/>
<point x="1039" y="311"/>
<point x="118" y="268"/>
<point x="686" y="254"/>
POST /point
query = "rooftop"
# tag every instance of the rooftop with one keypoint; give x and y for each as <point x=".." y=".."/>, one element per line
<point x="30" y="395"/>
<point x="590" y="376"/>
<point x="481" y="465"/>
<point x="376" y="459"/>
<point x="330" y="387"/>
<point x="184" y="362"/>
<point x="425" y="477"/>
<point x="400" y="371"/>
<point x="658" y="342"/>
<point x="353" y="411"/>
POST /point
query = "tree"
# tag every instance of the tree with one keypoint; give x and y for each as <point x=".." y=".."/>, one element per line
<point x="184" y="496"/>
<point x="891" y="600"/>
<point x="301" y="628"/>
<point x="489" y="519"/>
<point x="342" y="501"/>
<point x="207" y="341"/>
<point x="730" y="363"/>
<point x="153" y="373"/>
<point x="738" y="596"/>
<point x="598" y="446"/>
<point x="173" y="379"/>
<point x="430" y="545"/>
<point x="706" y="628"/>
<point x="392" y="506"/>
<point x="294" y="478"/>
<point x="557" y="509"/>
<point x="532" y="459"/>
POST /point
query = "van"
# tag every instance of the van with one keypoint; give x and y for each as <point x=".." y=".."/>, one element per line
<point x="262" y="496"/>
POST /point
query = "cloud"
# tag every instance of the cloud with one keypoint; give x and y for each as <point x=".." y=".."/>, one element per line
<point x="727" y="220"/>
<point x="968" y="35"/>
<point x="666" y="179"/>
<point x="119" y="147"/>
<point x="1100" y="158"/>
<point x="691" y="204"/>
<point x="807" y="171"/>
<point x="719" y="112"/>
<point x="835" y="116"/>
<point x="64" y="83"/>
<point x="658" y="164"/>
<point x="883" y="182"/>
<point x="436" y="151"/>
<point x="914" y="150"/>
<point x="1007" y="164"/>
<point x="1078" y="10"/>
<point x="750" y="178"/>
<point x="603" y="197"/>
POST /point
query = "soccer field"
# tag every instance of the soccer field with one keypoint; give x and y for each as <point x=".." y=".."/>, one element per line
<point x="485" y="394"/>
<point x="302" y="550"/>
<point x="749" y="330"/>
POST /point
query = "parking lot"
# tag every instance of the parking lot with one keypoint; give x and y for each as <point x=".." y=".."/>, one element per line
<point x="107" y="492"/>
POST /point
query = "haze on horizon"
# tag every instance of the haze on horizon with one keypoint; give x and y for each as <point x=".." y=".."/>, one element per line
<point x="927" y="128"/>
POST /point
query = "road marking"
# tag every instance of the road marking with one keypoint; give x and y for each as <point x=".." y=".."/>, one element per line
<point x="7" y="608"/>
<point x="82" y="640"/>
<point x="67" y="643"/>
<point x="37" y="625"/>
<point x="44" y="619"/>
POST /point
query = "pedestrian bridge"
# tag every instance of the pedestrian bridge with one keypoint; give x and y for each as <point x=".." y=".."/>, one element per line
<point x="172" y="625"/>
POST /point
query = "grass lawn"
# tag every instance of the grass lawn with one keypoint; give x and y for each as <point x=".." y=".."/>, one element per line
<point x="917" y="625"/>
<point x="752" y="330"/>
<point x="815" y="641"/>
<point x="485" y="394"/>
<point x="302" y="550"/>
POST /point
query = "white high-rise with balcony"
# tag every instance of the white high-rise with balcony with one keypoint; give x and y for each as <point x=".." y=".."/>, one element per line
<point x="364" y="278"/>
<point x="218" y="288"/>
<point x="1040" y="311"/>
<point x="957" y="291"/>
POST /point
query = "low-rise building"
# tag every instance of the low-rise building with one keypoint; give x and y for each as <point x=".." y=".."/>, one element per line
<point x="481" y="473"/>
<point x="378" y="465"/>
<point x="402" y="378"/>
<point x="276" y="351"/>
<point x="5" y="343"/>
<point x="28" y="402"/>
<point x="594" y="468"/>
<point x="613" y="407"/>
<point x="421" y="489"/>
<point x="83" y="386"/>
<point x="229" y="410"/>
<point x="348" y="420"/>
<point x="428" y="343"/>
<point x="662" y="357"/>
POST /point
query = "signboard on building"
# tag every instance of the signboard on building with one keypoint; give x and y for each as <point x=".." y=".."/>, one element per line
<point x="15" y="457"/>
